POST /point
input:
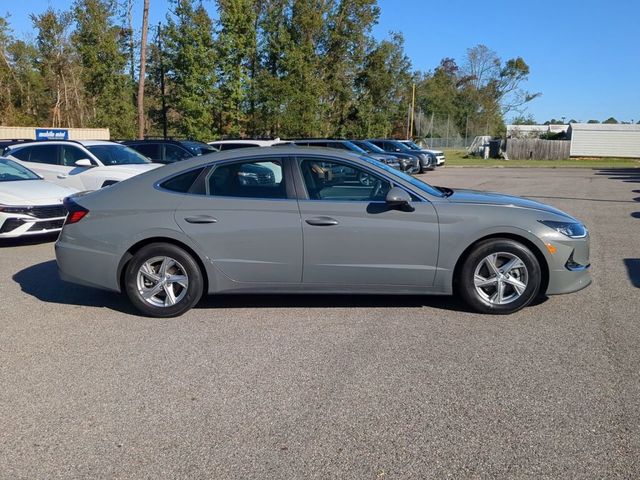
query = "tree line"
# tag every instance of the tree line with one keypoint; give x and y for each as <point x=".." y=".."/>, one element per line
<point x="285" y="68"/>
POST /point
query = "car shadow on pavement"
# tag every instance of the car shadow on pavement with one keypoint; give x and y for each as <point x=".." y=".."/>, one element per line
<point x="629" y="175"/>
<point x="439" y="302"/>
<point x="633" y="270"/>
<point x="42" y="281"/>
<point x="29" y="240"/>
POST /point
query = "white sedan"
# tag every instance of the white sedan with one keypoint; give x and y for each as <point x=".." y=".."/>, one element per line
<point x="29" y="205"/>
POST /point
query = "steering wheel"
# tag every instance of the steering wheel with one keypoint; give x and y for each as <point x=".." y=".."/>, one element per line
<point x="377" y="190"/>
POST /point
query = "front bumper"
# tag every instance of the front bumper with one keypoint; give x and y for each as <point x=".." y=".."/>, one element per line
<point x="14" y="226"/>
<point x="569" y="266"/>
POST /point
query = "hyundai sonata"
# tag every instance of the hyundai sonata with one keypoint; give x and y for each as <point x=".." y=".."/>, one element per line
<point x="301" y="220"/>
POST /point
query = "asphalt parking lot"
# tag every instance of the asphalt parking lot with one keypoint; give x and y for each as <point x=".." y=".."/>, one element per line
<point x="333" y="387"/>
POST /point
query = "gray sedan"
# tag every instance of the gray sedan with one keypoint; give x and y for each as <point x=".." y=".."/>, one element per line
<point x="301" y="220"/>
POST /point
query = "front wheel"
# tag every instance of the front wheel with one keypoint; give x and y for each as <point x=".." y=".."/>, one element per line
<point x="162" y="280"/>
<point x="499" y="276"/>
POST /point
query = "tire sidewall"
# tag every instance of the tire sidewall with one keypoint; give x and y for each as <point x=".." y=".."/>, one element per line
<point x="482" y="250"/>
<point x="194" y="290"/>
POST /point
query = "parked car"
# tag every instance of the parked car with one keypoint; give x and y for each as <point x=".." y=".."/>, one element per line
<point x="29" y="205"/>
<point x="223" y="145"/>
<point x="169" y="151"/>
<point x="408" y="163"/>
<point x="427" y="162"/>
<point x="347" y="145"/>
<point x="85" y="165"/>
<point x="197" y="228"/>
<point x="437" y="154"/>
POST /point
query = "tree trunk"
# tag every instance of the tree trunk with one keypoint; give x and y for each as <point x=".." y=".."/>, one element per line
<point x="143" y="68"/>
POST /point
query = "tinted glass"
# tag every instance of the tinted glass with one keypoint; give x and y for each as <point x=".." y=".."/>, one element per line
<point x="11" y="172"/>
<point x="412" y="145"/>
<point x="425" y="187"/>
<point x="149" y="150"/>
<point x="70" y="155"/>
<point x="117" y="154"/>
<point x="44" y="154"/>
<point x="173" y="153"/>
<point x="198" y="148"/>
<point x="342" y="182"/>
<point x="182" y="183"/>
<point x="20" y="154"/>
<point x="248" y="179"/>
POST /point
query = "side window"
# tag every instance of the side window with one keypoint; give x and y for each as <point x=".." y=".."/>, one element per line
<point x="70" y="155"/>
<point x="150" y="150"/>
<point x="172" y="153"/>
<point x="258" y="179"/>
<point x="44" y="154"/>
<point x="20" y="154"/>
<point x="342" y="182"/>
<point x="182" y="183"/>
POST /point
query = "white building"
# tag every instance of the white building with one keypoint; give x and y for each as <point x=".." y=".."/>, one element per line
<point x="604" y="140"/>
<point x="48" y="133"/>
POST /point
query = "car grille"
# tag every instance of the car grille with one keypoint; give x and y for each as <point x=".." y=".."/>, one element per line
<point x="46" y="225"/>
<point x="11" y="224"/>
<point x="43" y="211"/>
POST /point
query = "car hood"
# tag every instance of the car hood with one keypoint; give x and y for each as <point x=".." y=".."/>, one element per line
<point x="501" y="199"/>
<point x="32" y="192"/>
<point x="133" y="169"/>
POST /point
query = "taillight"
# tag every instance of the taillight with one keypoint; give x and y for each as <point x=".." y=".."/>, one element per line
<point x="75" y="212"/>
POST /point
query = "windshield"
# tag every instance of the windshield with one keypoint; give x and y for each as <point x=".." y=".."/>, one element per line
<point x="117" y="155"/>
<point x="425" y="187"/>
<point x="198" y="148"/>
<point x="354" y="148"/>
<point x="412" y="145"/>
<point x="399" y="145"/>
<point x="369" y="147"/>
<point x="12" y="172"/>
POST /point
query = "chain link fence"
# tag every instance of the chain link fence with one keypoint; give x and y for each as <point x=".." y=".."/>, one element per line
<point x="445" y="132"/>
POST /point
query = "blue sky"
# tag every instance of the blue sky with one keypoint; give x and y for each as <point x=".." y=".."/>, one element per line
<point x="584" y="55"/>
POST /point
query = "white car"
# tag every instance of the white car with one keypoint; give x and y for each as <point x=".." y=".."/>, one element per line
<point x="438" y="154"/>
<point x="247" y="143"/>
<point x="29" y="205"/>
<point x="85" y="165"/>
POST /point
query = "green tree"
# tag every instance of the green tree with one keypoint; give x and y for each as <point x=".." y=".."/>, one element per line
<point x="191" y="69"/>
<point x="611" y="120"/>
<point x="102" y="49"/>
<point x="523" y="120"/>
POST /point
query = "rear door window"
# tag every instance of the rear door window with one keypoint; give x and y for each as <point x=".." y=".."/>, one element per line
<point x="149" y="150"/>
<point x="173" y="153"/>
<point x="47" y="154"/>
<point x="250" y="179"/>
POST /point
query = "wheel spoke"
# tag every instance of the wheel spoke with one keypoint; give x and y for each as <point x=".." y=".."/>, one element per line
<point x="152" y="292"/>
<point x="481" y="281"/>
<point x="492" y="264"/>
<point x="167" y="263"/>
<point x="517" y="285"/>
<point x="148" y="272"/>
<point x="170" y="299"/>
<point x="511" y="265"/>
<point x="498" y="296"/>
<point x="179" y="279"/>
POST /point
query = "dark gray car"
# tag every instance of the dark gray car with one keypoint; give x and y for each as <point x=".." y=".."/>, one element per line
<point x="427" y="162"/>
<point x="169" y="236"/>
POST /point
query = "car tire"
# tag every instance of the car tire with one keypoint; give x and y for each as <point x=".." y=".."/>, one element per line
<point x="162" y="280"/>
<point x="499" y="276"/>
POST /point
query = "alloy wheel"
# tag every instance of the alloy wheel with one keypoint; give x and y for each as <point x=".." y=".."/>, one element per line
<point x="501" y="278"/>
<point x="162" y="281"/>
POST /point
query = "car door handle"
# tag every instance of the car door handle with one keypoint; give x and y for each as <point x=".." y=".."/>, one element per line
<point x="201" y="219"/>
<point x="321" y="221"/>
<point x="62" y="175"/>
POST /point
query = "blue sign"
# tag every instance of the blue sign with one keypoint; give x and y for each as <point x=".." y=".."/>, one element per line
<point x="52" y="134"/>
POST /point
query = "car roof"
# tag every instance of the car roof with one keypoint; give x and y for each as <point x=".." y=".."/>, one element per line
<point x="86" y="143"/>
<point x="248" y="141"/>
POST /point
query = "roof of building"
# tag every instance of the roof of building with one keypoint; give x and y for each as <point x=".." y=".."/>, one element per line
<point x="606" y="127"/>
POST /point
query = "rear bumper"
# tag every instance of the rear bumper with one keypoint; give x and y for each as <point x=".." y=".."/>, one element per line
<point x="85" y="266"/>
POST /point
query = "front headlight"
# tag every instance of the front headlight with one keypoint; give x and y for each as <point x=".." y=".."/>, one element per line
<point x="570" y="229"/>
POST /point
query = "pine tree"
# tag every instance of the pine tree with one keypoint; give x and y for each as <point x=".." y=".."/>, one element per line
<point x="191" y="70"/>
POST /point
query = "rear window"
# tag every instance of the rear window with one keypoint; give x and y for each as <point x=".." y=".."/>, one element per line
<point x="182" y="183"/>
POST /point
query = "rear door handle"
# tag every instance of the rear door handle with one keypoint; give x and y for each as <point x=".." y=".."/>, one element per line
<point x="321" y="221"/>
<point x="201" y="219"/>
<point x="62" y="175"/>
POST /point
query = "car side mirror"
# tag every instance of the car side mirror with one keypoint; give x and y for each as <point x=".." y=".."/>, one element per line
<point x="84" y="162"/>
<point x="397" y="197"/>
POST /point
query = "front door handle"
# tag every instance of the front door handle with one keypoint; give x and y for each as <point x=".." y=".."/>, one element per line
<point x="321" y="221"/>
<point x="62" y="175"/>
<point x="201" y="219"/>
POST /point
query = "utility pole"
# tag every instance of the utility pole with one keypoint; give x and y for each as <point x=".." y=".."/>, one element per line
<point x="143" y="68"/>
<point x="162" y="93"/>
<point x="413" y="108"/>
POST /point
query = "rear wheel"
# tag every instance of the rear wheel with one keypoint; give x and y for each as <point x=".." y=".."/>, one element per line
<point x="162" y="280"/>
<point x="499" y="276"/>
